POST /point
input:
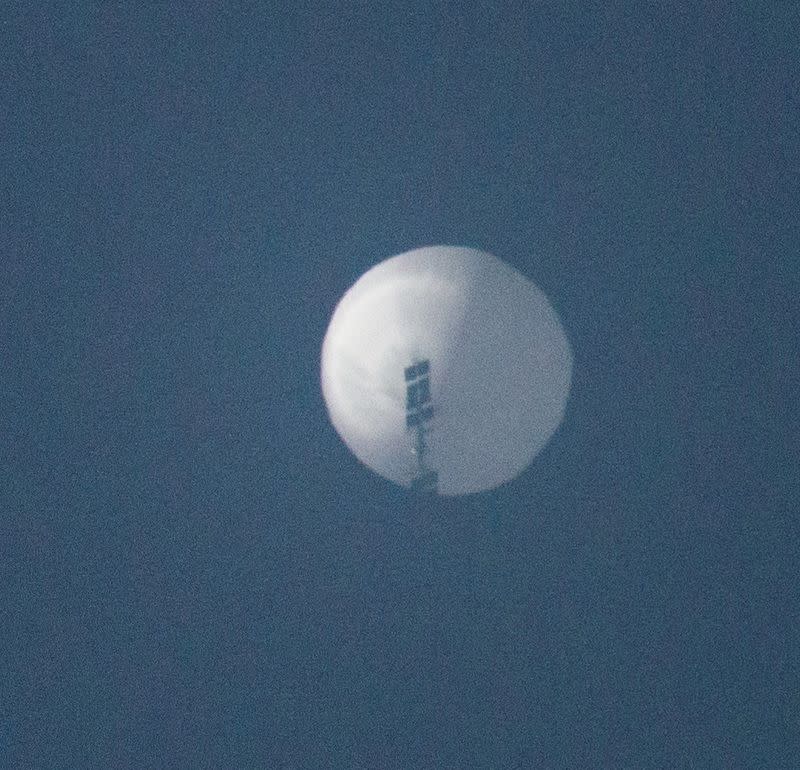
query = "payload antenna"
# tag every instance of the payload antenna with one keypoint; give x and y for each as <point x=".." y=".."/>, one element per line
<point x="419" y="413"/>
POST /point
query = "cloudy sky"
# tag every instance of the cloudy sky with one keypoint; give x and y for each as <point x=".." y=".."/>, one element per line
<point x="194" y="570"/>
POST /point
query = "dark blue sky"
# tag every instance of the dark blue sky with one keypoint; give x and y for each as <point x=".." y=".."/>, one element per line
<point x="195" y="572"/>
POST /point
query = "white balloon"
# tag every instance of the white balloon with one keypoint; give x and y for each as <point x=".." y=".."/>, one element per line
<point x="500" y="367"/>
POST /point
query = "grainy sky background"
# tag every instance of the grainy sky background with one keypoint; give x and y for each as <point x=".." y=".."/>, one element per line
<point x="195" y="572"/>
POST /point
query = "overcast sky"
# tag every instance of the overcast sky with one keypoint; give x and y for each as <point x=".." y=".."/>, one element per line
<point x="194" y="570"/>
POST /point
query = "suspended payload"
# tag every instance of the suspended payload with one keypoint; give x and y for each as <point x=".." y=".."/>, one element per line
<point x="445" y="369"/>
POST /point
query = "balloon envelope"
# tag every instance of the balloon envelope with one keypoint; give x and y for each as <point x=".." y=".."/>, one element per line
<point x="500" y="367"/>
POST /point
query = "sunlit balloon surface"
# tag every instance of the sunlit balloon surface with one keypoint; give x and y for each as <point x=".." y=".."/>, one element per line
<point x="500" y="366"/>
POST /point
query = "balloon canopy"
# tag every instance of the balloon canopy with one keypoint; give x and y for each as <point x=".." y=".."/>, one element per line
<point x="499" y="367"/>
